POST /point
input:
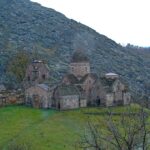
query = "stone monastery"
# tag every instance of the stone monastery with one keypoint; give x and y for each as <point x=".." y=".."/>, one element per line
<point x="78" y="88"/>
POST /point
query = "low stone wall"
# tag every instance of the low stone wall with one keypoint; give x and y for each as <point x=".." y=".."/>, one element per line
<point x="11" y="97"/>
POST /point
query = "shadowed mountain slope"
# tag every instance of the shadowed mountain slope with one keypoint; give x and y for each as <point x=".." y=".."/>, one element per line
<point x="28" y="26"/>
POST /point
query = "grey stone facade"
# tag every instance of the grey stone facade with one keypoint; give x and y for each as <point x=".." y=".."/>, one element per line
<point x="39" y="96"/>
<point x="37" y="72"/>
<point x="108" y="90"/>
<point x="66" y="97"/>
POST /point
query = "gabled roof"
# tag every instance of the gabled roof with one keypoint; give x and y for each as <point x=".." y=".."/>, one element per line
<point x="92" y="75"/>
<point x="107" y="83"/>
<point x="43" y="86"/>
<point x="66" y="90"/>
<point x="79" y="56"/>
<point x="72" y="78"/>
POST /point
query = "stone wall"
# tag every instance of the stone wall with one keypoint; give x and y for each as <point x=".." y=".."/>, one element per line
<point x="118" y="86"/>
<point x="98" y="92"/>
<point x="83" y="103"/>
<point x="127" y="98"/>
<point x="80" y="69"/>
<point x="88" y="85"/>
<point x="109" y="99"/>
<point x="69" y="102"/>
<point x="38" y="98"/>
<point x="37" y="72"/>
<point x="66" y="81"/>
<point x="11" y="97"/>
<point x="118" y="96"/>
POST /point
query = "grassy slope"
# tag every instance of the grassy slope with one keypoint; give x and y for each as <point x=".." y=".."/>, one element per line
<point x="44" y="129"/>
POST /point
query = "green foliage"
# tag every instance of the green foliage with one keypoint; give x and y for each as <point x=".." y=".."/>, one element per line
<point x="10" y="81"/>
<point x="18" y="65"/>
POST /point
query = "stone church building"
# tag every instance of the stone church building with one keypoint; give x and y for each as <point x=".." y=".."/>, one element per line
<point x="108" y="90"/>
<point x="78" y="88"/>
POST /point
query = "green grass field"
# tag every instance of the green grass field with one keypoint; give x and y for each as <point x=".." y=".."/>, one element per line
<point x="45" y="129"/>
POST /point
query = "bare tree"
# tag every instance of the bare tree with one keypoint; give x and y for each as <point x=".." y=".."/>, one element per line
<point x="132" y="130"/>
<point x="123" y="131"/>
<point x="92" y="138"/>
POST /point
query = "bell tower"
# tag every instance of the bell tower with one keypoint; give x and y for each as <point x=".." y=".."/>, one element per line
<point x="80" y="65"/>
<point x="37" y="72"/>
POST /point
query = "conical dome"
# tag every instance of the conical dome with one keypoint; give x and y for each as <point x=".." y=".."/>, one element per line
<point x="79" y="56"/>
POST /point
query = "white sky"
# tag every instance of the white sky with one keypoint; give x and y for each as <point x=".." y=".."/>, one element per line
<point x="125" y="21"/>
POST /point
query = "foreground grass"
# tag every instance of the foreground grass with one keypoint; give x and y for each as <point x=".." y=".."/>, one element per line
<point x="40" y="129"/>
<point x="46" y="129"/>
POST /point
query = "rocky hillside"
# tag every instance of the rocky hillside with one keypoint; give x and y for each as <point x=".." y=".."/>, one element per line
<point x="27" y="26"/>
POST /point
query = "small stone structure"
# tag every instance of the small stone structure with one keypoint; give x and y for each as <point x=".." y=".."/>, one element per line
<point x="39" y="96"/>
<point x="68" y="97"/>
<point x="110" y="92"/>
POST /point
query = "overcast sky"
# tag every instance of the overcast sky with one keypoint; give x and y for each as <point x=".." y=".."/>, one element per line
<point x="125" y="21"/>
